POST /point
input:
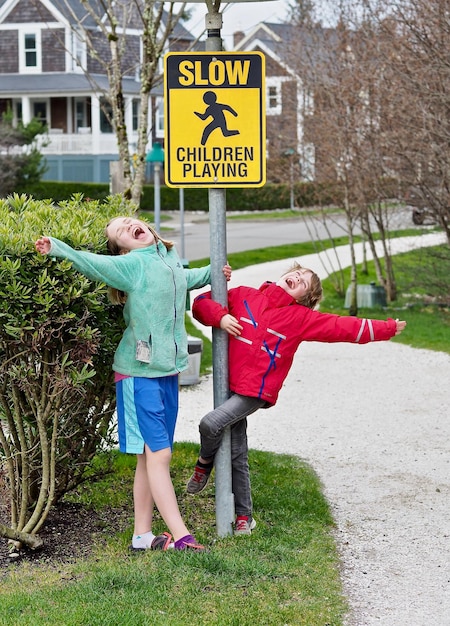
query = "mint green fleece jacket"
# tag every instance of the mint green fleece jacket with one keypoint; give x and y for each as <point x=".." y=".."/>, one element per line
<point x="156" y="283"/>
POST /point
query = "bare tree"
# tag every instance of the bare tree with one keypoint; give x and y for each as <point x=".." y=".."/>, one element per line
<point x="419" y="35"/>
<point x="109" y="47"/>
<point x="353" y="124"/>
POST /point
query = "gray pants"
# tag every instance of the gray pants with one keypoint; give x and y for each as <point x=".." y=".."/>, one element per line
<point x="233" y="412"/>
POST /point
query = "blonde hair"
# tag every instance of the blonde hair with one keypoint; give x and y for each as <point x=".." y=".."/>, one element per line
<point x="116" y="296"/>
<point x="312" y="298"/>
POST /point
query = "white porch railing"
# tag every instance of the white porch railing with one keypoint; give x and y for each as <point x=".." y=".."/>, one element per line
<point x="77" y="143"/>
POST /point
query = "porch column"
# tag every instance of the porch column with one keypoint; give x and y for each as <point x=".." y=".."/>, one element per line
<point x="95" y="121"/>
<point x="69" y="119"/>
<point x="26" y="110"/>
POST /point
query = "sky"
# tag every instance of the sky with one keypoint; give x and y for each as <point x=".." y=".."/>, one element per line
<point x="236" y="16"/>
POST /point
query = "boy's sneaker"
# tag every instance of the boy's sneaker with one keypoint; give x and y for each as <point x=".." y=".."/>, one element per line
<point x="189" y="543"/>
<point x="199" y="479"/>
<point x="242" y="526"/>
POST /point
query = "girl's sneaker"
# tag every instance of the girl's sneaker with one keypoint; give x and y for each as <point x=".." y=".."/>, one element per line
<point x="162" y="542"/>
<point x="242" y="525"/>
<point x="189" y="543"/>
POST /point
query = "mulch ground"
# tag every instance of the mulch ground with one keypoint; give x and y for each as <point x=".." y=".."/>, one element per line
<point x="69" y="533"/>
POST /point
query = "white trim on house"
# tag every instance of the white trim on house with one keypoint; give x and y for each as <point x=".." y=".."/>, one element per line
<point x="51" y="8"/>
<point x="262" y="25"/>
<point x="7" y="8"/>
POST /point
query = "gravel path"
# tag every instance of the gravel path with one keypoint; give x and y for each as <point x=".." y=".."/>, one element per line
<point x="373" y="422"/>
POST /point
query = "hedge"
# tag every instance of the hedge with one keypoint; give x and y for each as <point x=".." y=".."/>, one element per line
<point x="269" y="197"/>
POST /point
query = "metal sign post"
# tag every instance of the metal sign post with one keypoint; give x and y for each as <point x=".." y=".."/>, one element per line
<point x="215" y="138"/>
<point x="218" y="243"/>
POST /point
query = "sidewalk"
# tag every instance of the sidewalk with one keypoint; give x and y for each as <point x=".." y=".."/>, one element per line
<point x="373" y="422"/>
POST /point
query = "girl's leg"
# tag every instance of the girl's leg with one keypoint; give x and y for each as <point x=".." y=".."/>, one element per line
<point x="162" y="491"/>
<point x="143" y="501"/>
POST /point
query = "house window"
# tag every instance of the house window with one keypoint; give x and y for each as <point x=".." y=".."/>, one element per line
<point x="81" y="120"/>
<point x="79" y="54"/>
<point x="273" y="98"/>
<point x="106" y="116"/>
<point x="40" y="111"/>
<point x="18" y="111"/>
<point x="274" y="102"/>
<point x="135" y="115"/>
<point x="159" y="117"/>
<point x="30" y="50"/>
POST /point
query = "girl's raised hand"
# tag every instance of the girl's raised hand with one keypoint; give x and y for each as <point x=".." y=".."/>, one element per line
<point x="227" y="271"/>
<point x="400" y="326"/>
<point x="43" y="245"/>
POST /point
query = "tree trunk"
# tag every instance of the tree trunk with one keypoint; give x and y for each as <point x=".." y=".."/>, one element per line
<point x="32" y="541"/>
<point x="353" y="308"/>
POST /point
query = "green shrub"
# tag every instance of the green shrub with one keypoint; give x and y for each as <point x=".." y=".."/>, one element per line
<point x="58" y="334"/>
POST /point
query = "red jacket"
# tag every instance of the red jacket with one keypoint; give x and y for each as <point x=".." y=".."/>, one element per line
<point x="274" y="327"/>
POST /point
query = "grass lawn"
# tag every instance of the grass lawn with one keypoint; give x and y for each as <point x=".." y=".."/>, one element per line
<point x="286" y="572"/>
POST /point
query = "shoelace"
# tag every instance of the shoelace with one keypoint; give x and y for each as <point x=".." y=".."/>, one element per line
<point x="198" y="475"/>
<point x="195" y="546"/>
<point x="242" y="524"/>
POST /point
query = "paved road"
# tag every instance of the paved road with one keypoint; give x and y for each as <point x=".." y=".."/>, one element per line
<point x="251" y="234"/>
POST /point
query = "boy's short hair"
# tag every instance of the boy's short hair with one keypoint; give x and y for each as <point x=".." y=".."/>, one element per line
<point x="314" y="295"/>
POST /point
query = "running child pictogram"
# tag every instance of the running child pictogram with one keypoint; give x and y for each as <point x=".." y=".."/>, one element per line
<point x="216" y="111"/>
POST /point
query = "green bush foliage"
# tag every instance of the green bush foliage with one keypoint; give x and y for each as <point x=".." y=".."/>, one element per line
<point x="58" y="334"/>
<point x="19" y="167"/>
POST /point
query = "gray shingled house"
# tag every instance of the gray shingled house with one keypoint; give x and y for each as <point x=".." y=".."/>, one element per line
<point x="46" y="72"/>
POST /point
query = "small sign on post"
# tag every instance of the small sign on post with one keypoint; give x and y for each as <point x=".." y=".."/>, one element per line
<point x="215" y="119"/>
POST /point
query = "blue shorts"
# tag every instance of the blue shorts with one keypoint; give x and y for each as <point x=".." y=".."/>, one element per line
<point x="147" y="411"/>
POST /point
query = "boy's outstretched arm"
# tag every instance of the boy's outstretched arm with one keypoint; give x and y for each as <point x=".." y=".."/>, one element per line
<point x="332" y="328"/>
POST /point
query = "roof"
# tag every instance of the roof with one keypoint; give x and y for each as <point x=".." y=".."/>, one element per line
<point x="286" y="41"/>
<point x="56" y="84"/>
<point x="75" y="13"/>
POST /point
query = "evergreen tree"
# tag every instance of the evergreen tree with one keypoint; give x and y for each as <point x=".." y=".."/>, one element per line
<point x="20" y="160"/>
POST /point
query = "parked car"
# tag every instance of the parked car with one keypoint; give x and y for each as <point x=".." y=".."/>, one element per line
<point x="419" y="200"/>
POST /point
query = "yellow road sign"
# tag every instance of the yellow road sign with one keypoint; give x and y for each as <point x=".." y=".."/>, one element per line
<point x="215" y="119"/>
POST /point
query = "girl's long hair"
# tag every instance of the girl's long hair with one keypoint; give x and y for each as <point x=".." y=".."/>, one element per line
<point x="116" y="296"/>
